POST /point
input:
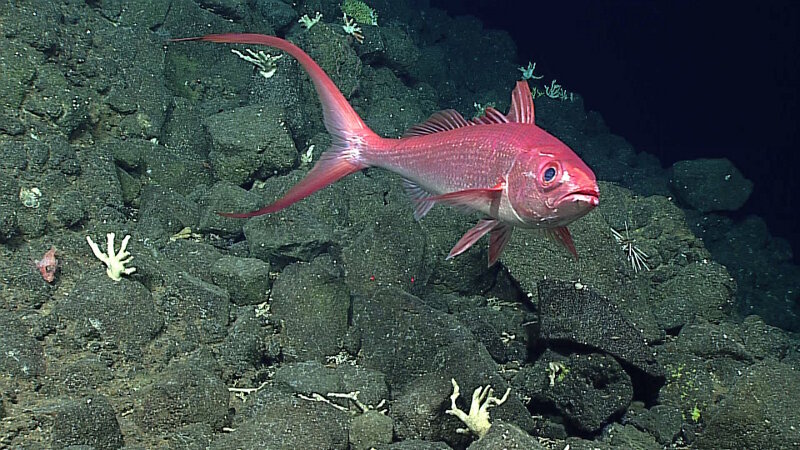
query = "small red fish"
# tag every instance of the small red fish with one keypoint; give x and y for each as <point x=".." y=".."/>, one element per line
<point x="47" y="265"/>
<point x="504" y="166"/>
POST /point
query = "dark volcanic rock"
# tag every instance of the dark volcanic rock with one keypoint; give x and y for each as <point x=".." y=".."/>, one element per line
<point x="183" y="394"/>
<point x="311" y="302"/>
<point x="583" y="317"/>
<point x="420" y="349"/>
<point x="87" y="421"/>
<point x="506" y="435"/>
<point x="20" y="354"/>
<point x="710" y="184"/>
<point x="122" y="312"/>
<point x="588" y="390"/>
<point x="760" y="411"/>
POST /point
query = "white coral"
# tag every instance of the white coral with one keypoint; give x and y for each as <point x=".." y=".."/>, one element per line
<point x="477" y="421"/>
<point x="115" y="262"/>
<point x="266" y="64"/>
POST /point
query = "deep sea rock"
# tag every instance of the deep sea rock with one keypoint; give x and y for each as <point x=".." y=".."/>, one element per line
<point x="588" y="390"/>
<point x="761" y="411"/>
<point x="89" y="420"/>
<point x="249" y="142"/>
<point x="120" y="311"/>
<point x="710" y="184"/>
<point x="572" y="316"/>
<point x="312" y="303"/>
<point x="181" y="395"/>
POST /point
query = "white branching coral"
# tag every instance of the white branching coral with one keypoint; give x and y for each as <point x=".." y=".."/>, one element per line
<point x="115" y="262"/>
<point x="477" y="420"/>
<point x="266" y="64"/>
<point x="351" y="27"/>
<point x="308" y="22"/>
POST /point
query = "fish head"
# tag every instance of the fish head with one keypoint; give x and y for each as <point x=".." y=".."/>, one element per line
<point x="550" y="186"/>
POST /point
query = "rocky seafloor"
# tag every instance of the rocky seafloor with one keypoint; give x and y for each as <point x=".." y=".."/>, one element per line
<point x="258" y="333"/>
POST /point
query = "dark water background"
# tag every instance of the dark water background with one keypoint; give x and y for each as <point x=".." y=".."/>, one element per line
<point x="678" y="79"/>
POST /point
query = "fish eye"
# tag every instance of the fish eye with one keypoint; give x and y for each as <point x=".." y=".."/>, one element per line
<point x="549" y="174"/>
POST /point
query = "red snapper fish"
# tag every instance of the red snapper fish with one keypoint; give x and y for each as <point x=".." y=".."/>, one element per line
<point x="503" y="166"/>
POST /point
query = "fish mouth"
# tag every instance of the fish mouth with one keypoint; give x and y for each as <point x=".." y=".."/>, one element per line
<point x="589" y="196"/>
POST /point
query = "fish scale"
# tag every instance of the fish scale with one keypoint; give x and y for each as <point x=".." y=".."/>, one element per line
<point x="449" y="161"/>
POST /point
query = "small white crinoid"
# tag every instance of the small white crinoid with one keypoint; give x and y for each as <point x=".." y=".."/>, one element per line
<point x="636" y="256"/>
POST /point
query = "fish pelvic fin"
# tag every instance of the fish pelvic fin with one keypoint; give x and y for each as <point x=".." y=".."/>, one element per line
<point x="500" y="236"/>
<point x="563" y="237"/>
<point x="420" y="196"/>
<point x="351" y="136"/>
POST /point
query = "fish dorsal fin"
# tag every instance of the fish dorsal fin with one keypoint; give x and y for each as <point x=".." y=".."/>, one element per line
<point x="490" y="116"/>
<point x="448" y="119"/>
<point x="521" y="110"/>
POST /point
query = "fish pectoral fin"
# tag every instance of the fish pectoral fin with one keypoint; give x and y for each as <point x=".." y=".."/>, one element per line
<point x="470" y="237"/>
<point x="470" y="198"/>
<point x="563" y="237"/>
<point x="500" y="236"/>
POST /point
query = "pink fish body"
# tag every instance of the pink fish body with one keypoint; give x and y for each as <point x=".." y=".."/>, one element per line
<point x="47" y="265"/>
<point x="504" y="166"/>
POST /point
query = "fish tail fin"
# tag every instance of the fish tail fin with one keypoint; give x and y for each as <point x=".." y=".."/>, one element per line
<point x="351" y="136"/>
<point x="329" y="169"/>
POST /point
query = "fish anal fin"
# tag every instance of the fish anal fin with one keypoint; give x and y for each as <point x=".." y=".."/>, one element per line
<point x="446" y="120"/>
<point x="421" y="197"/>
<point x="521" y="110"/>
